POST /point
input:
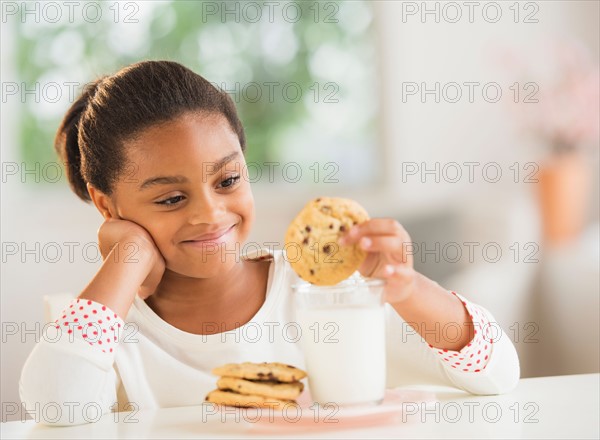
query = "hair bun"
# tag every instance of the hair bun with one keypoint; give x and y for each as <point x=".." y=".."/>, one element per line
<point x="66" y="142"/>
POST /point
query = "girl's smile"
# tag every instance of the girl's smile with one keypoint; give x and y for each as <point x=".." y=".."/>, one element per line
<point x="214" y="238"/>
<point x="211" y="236"/>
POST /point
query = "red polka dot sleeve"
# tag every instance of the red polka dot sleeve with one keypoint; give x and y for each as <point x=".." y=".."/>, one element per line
<point x="474" y="357"/>
<point x="93" y="322"/>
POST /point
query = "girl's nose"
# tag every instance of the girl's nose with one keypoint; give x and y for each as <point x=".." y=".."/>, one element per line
<point x="207" y="209"/>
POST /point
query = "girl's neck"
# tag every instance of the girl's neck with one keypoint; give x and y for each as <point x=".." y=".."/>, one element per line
<point x="211" y="305"/>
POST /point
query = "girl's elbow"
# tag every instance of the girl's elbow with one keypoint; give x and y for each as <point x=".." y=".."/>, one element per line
<point x="52" y="402"/>
<point x="53" y="412"/>
<point x="502" y="378"/>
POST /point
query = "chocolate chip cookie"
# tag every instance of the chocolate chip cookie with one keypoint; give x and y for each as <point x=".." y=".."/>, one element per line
<point x="271" y="371"/>
<point x="311" y="241"/>
<point x="276" y="390"/>
<point x="230" y="398"/>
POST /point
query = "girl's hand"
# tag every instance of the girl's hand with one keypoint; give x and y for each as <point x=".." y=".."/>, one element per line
<point x="385" y="241"/>
<point x="137" y="241"/>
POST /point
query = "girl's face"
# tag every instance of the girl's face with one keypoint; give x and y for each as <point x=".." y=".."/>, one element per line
<point x="185" y="185"/>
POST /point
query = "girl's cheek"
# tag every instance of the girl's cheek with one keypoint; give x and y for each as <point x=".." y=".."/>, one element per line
<point x="246" y="203"/>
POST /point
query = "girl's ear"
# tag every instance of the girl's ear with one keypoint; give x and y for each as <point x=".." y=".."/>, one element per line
<point x="101" y="201"/>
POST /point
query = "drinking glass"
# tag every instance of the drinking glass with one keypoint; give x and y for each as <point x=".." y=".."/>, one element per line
<point x="343" y="340"/>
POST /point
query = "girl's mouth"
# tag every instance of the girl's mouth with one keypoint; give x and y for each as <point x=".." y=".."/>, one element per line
<point x="213" y="239"/>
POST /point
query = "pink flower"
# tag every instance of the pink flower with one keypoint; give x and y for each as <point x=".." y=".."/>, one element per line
<point x="567" y="112"/>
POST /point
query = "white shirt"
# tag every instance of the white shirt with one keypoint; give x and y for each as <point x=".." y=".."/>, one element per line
<point x="144" y="362"/>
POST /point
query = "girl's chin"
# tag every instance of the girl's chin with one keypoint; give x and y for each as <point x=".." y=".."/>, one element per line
<point x="211" y="268"/>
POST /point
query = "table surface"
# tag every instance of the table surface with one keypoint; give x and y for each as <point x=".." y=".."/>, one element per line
<point x="543" y="407"/>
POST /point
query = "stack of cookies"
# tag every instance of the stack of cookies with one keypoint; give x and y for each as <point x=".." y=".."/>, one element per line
<point x="259" y="385"/>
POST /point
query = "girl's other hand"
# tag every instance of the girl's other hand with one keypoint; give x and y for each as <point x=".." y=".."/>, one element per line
<point x="135" y="240"/>
<point x="386" y="243"/>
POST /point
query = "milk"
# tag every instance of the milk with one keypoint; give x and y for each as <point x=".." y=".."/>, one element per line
<point x="344" y="351"/>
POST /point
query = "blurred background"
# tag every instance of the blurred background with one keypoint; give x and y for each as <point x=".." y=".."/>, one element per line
<point x="474" y="125"/>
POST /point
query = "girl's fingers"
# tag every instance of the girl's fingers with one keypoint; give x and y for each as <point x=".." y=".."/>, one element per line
<point x="389" y="244"/>
<point x="398" y="270"/>
<point x="375" y="226"/>
<point x="382" y="243"/>
<point x="400" y="282"/>
<point x="394" y="272"/>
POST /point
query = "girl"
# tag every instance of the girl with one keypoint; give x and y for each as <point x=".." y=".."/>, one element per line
<point x="160" y="153"/>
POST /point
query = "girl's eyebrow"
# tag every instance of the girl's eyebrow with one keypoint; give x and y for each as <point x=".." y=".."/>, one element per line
<point x="162" y="180"/>
<point x="211" y="167"/>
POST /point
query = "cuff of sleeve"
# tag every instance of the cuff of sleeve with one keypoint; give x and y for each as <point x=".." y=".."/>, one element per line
<point x="475" y="356"/>
<point x="91" y="322"/>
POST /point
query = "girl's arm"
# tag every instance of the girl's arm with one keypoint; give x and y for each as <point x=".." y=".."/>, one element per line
<point x="459" y="341"/>
<point x="432" y="311"/>
<point x="69" y="375"/>
<point x="420" y="301"/>
<point x="488" y="364"/>
<point x="130" y="263"/>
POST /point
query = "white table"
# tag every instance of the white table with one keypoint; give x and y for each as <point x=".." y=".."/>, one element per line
<point x="545" y="407"/>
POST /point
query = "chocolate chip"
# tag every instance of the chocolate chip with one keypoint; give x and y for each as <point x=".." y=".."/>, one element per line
<point x="260" y="374"/>
<point x="305" y="241"/>
<point x="307" y="228"/>
<point x="312" y="272"/>
<point x="327" y="249"/>
<point x="342" y="228"/>
<point x="318" y="200"/>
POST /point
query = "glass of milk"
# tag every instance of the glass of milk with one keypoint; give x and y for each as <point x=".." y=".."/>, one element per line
<point x="343" y="340"/>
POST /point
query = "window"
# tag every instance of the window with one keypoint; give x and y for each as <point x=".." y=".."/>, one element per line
<point x="302" y="74"/>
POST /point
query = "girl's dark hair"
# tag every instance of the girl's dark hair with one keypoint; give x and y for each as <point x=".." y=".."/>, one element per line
<point x="115" y="108"/>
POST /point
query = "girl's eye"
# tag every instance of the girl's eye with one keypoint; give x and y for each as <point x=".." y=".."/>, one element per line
<point x="170" y="201"/>
<point x="229" y="182"/>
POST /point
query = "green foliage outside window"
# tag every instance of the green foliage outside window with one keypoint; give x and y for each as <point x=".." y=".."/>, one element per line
<point x="304" y="84"/>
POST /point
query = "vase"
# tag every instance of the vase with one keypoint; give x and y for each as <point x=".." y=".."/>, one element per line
<point x="564" y="190"/>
